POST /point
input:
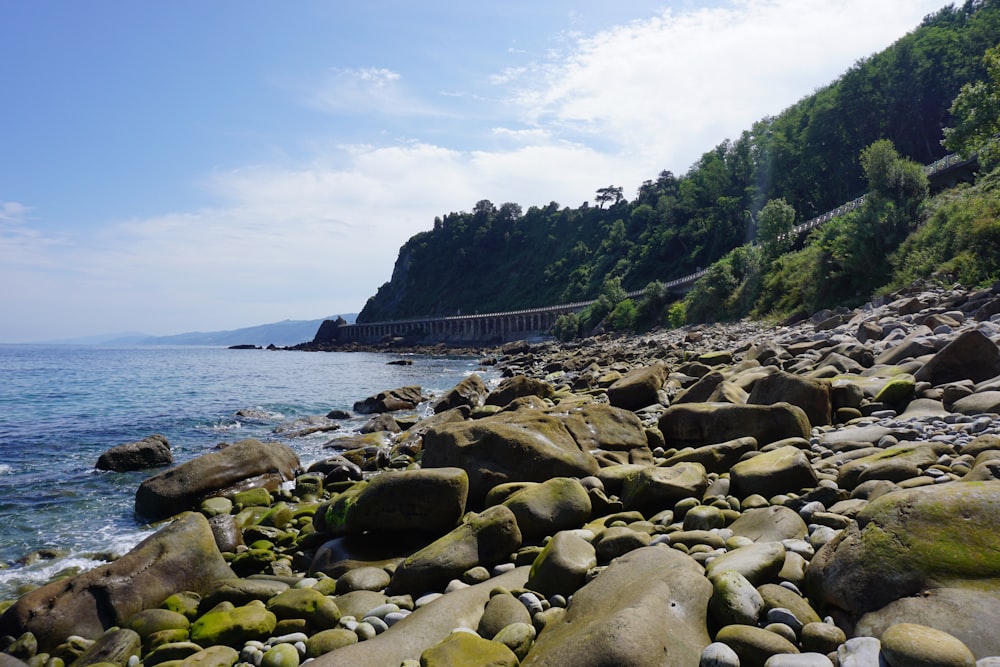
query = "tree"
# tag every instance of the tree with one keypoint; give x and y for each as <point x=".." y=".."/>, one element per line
<point x="774" y="228"/>
<point x="977" y="109"/>
<point x="613" y="194"/>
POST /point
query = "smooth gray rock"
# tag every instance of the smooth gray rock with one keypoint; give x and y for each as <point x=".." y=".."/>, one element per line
<point x="243" y="465"/>
<point x="150" y="452"/>
<point x="645" y="609"/>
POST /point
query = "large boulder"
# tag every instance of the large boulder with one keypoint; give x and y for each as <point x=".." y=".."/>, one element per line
<point x="544" y="509"/>
<point x="240" y="466"/>
<point x="596" y="426"/>
<point x="400" y="398"/>
<point x="519" y="446"/>
<point x="516" y="387"/>
<point x="484" y="539"/>
<point x="470" y="392"/>
<point x="907" y="542"/>
<point x="718" y="457"/>
<point x="813" y="396"/>
<point x="647" y="607"/>
<point x="180" y="557"/>
<point x="431" y="500"/>
<point x="639" y="387"/>
<point x="697" y="424"/>
<point x="970" y="356"/>
<point x="654" y="488"/>
<point x="782" y="470"/>
<point x="151" y="452"/>
<point x="562" y="566"/>
<point x="970" y="615"/>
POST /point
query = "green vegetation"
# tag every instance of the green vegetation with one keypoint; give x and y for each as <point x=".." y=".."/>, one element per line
<point x="867" y="132"/>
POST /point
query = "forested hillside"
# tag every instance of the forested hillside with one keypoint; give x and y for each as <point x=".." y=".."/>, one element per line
<point x="499" y="257"/>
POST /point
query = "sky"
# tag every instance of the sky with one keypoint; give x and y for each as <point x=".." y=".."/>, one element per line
<point x="168" y="167"/>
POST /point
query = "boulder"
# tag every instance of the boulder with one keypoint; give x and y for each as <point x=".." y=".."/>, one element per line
<point x="638" y="388"/>
<point x="520" y="446"/>
<point x="317" y="610"/>
<point x="734" y="600"/>
<point x="461" y="649"/>
<point x="653" y="488"/>
<point x="978" y="403"/>
<point x="913" y="645"/>
<point x="546" y="508"/>
<point x="754" y="645"/>
<point x="906" y="542"/>
<point x="151" y="452"/>
<point x="968" y="614"/>
<point x="180" y="557"/>
<point x="895" y="464"/>
<point x="240" y="466"/>
<point x="233" y="626"/>
<point x="400" y="398"/>
<point x="813" y="396"/>
<point x="425" y="627"/>
<point x="759" y="562"/>
<point x="697" y="424"/>
<point x="117" y="646"/>
<point x="647" y="608"/>
<point x="596" y="426"/>
<point x="516" y="387"/>
<point x="430" y="500"/>
<point x="562" y="566"/>
<point x="970" y="356"/>
<point x="470" y="392"/>
<point x="718" y="458"/>
<point x="484" y="539"/>
<point x="782" y="470"/>
<point x="773" y="523"/>
<point x="502" y="610"/>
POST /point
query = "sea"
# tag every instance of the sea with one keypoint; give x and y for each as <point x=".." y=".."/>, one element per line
<point x="61" y="406"/>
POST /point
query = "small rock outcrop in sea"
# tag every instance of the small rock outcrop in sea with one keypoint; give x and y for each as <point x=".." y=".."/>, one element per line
<point x="151" y="452"/>
<point x="823" y="493"/>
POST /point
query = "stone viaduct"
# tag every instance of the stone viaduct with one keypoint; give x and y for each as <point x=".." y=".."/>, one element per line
<point x="533" y="323"/>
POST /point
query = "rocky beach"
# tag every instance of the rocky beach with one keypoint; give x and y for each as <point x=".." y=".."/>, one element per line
<point x="811" y="493"/>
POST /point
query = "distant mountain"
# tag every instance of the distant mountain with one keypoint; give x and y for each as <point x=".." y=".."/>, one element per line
<point x="284" y="333"/>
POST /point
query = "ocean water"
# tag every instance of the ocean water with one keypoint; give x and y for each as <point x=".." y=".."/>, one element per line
<point x="61" y="406"/>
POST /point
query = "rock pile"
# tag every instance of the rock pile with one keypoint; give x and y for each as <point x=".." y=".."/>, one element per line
<point x="821" y="493"/>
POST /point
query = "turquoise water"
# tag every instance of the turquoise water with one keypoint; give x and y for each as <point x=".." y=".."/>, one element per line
<point x="61" y="406"/>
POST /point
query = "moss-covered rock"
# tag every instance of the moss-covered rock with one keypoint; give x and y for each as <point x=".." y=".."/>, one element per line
<point x="329" y="640"/>
<point x="319" y="611"/>
<point x="908" y="541"/>
<point x="698" y="424"/>
<point x="484" y="539"/>
<point x="782" y="470"/>
<point x="545" y="509"/>
<point x="233" y="626"/>
<point x="464" y="649"/>
<point x="527" y="446"/>
<point x="213" y="656"/>
<point x="431" y="500"/>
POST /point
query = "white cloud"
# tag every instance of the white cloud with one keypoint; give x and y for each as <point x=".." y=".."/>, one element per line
<point x="669" y="88"/>
<point x="14" y="213"/>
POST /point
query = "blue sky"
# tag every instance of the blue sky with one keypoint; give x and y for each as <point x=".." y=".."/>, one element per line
<point x="193" y="166"/>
